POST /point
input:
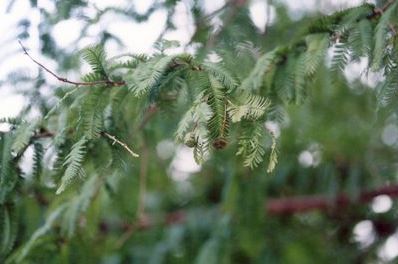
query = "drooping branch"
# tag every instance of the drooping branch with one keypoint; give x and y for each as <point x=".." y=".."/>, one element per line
<point x="65" y="80"/>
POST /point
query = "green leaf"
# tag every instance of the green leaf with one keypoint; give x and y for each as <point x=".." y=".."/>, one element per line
<point x="218" y="124"/>
<point x="42" y="231"/>
<point x="91" y="113"/>
<point x="381" y="36"/>
<point x="251" y="107"/>
<point x="317" y="45"/>
<point x="255" y="79"/>
<point x="251" y="144"/>
<point x="73" y="164"/>
<point x="222" y="75"/>
<point x="95" y="56"/>
<point x="8" y="171"/>
<point x="8" y="229"/>
<point x="23" y="135"/>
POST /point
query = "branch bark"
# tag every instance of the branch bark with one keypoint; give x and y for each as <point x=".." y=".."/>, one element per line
<point x="65" y="80"/>
<point x="303" y="204"/>
<point x="280" y="207"/>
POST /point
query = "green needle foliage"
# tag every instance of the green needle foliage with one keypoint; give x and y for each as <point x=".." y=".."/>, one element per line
<point x="264" y="115"/>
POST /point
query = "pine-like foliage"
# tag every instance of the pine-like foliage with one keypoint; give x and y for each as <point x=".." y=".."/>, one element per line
<point x="254" y="81"/>
<point x="73" y="164"/>
<point x="250" y="107"/>
<point x="222" y="75"/>
<point x="8" y="229"/>
<point x="92" y="112"/>
<point x="251" y="145"/>
<point x="23" y="134"/>
<point x="381" y="36"/>
<point x="8" y="171"/>
<point x="95" y="56"/>
<point x="79" y="204"/>
<point x="38" y="153"/>
<point x="149" y="76"/>
<point x="218" y="123"/>
<point x="317" y="45"/>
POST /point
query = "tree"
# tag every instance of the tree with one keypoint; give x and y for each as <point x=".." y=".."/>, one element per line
<point x="277" y="123"/>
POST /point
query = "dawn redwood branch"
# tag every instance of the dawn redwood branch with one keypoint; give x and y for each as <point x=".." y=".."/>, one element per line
<point x="277" y="207"/>
<point x="65" y="80"/>
<point x="43" y="134"/>
<point x="303" y="204"/>
<point x="378" y="11"/>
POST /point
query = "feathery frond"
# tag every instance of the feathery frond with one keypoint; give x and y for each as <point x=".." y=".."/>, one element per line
<point x="38" y="153"/>
<point x="23" y="134"/>
<point x="8" y="171"/>
<point x="218" y="124"/>
<point x="251" y="144"/>
<point x="91" y="113"/>
<point x="150" y="75"/>
<point x="222" y="75"/>
<point x="381" y="36"/>
<point x="341" y="55"/>
<point x="388" y="90"/>
<point x="254" y="81"/>
<point x="95" y="56"/>
<point x="317" y="45"/>
<point x="73" y="164"/>
<point x="8" y="229"/>
<point x="251" y="107"/>
<point x="79" y="205"/>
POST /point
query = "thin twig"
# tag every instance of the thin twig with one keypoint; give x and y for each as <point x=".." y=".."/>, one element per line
<point x="65" y="80"/>
<point x="124" y="145"/>
<point x="43" y="134"/>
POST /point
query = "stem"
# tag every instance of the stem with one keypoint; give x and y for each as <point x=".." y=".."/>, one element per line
<point x="65" y="80"/>
<point x="124" y="145"/>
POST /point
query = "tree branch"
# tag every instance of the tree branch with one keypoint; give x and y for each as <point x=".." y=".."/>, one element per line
<point x="65" y="80"/>
<point x="303" y="204"/>
<point x="278" y="206"/>
<point x="379" y="11"/>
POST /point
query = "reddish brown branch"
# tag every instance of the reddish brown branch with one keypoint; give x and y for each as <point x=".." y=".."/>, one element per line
<point x="274" y="207"/>
<point x="65" y="80"/>
<point x="379" y="11"/>
<point x="43" y="134"/>
<point x="304" y="204"/>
